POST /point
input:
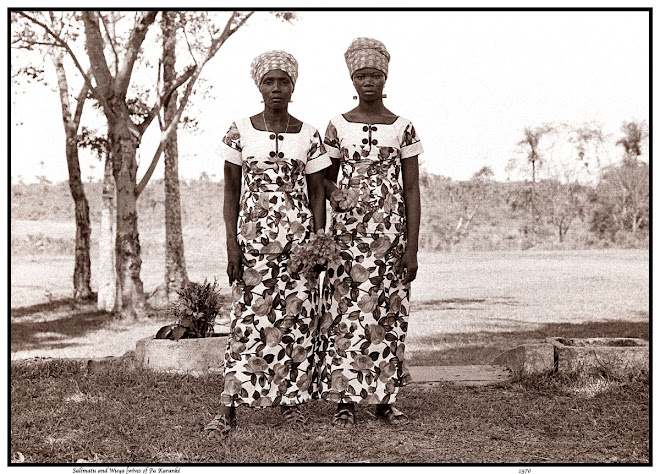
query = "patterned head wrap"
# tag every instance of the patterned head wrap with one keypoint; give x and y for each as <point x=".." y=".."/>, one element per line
<point x="367" y="52"/>
<point x="274" y="60"/>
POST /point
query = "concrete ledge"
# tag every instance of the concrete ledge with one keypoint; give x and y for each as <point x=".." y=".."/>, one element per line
<point x="618" y="356"/>
<point x="190" y="356"/>
<point x="528" y="359"/>
<point x="470" y="375"/>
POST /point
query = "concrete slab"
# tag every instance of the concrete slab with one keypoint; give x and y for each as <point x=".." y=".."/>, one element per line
<point x="528" y="359"/>
<point x="461" y="374"/>
<point x="192" y="356"/>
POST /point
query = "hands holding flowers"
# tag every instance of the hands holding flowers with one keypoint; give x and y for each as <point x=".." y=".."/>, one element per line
<point x="343" y="200"/>
<point x="314" y="256"/>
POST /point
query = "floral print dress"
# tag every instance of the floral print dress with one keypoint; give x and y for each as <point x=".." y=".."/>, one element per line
<point x="270" y="355"/>
<point x="365" y="304"/>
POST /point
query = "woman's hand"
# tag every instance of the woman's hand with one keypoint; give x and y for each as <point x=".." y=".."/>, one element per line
<point x="334" y="199"/>
<point x="406" y="266"/>
<point x="235" y="262"/>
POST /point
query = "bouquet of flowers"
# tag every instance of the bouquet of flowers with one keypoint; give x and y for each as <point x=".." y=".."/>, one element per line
<point x="346" y="199"/>
<point x="314" y="256"/>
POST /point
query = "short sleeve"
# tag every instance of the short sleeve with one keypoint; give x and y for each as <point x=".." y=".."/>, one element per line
<point x="230" y="149"/>
<point x="410" y="144"/>
<point x="332" y="142"/>
<point x="317" y="158"/>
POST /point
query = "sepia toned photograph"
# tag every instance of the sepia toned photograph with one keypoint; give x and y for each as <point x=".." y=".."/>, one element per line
<point x="392" y="236"/>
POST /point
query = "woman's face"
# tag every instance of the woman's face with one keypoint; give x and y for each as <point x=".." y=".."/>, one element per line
<point x="276" y="88"/>
<point x="369" y="83"/>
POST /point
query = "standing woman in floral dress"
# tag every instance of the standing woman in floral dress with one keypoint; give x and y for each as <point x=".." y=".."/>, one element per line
<point x="375" y="221"/>
<point x="279" y="160"/>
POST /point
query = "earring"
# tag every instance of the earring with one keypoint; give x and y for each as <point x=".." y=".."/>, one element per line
<point x="262" y="101"/>
<point x="354" y="97"/>
<point x="384" y="96"/>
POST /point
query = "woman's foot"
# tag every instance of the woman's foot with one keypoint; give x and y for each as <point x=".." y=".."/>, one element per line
<point x="223" y="422"/>
<point x="391" y="414"/>
<point x="293" y="415"/>
<point x="344" y="417"/>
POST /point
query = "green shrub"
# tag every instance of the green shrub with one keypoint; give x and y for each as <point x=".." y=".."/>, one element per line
<point x="195" y="312"/>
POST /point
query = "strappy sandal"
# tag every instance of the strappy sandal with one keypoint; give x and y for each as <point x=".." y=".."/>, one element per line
<point x="345" y="413"/>
<point x="392" y="415"/>
<point x="222" y="424"/>
<point x="293" y="415"/>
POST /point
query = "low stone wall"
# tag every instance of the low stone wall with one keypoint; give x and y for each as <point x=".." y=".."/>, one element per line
<point x="616" y="356"/>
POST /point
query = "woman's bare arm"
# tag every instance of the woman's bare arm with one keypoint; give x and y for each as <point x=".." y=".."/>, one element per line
<point x="330" y="182"/>
<point x="316" y="193"/>
<point x="235" y="257"/>
<point x="407" y="265"/>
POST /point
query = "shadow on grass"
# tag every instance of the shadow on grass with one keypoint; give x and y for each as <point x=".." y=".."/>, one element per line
<point x="53" y="324"/>
<point x="459" y="303"/>
<point x="66" y="304"/>
<point x="483" y="347"/>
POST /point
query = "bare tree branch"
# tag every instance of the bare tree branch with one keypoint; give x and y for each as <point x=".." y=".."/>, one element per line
<point x="64" y="44"/>
<point x="195" y="73"/>
<point x="63" y="88"/>
<point x="165" y="135"/>
<point x="190" y="49"/>
<point x="82" y="96"/>
<point x="217" y="43"/>
<point x="111" y="42"/>
<point x="134" y="45"/>
<point x="226" y="31"/>
<point x="95" y="46"/>
<point x="30" y="44"/>
<point x="165" y="98"/>
<point x="241" y="23"/>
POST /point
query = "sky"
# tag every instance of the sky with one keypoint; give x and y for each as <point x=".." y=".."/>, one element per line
<point x="469" y="81"/>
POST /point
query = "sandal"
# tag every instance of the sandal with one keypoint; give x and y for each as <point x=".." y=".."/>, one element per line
<point x="292" y="414"/>
<point x="392" y="415"/>
<point x="344" y="417"/>
<point x="222" y="424"/>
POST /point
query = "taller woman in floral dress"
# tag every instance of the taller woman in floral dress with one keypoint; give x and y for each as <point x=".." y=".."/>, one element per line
<point x="279" y="161"/>
<point x="375" y="220"/>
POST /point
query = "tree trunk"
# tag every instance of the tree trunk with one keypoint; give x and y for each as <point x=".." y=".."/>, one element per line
<point x="82" y="269"/>
<point x="176" y="275"/>
<point x="107" y="274"/>
<point x="130" y="300"/>
<point x="71" y="119"/>
<point x="124" y="138"/>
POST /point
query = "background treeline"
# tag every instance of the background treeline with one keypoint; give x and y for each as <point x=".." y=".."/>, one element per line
<point x="477" y="214"/>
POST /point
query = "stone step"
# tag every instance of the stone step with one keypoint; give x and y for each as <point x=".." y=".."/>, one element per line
<point x="470" y="375"/>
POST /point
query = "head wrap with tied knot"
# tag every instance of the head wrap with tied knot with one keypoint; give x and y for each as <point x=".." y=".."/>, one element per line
<point x="273" y="60"/>
<point x="367" y="52"/>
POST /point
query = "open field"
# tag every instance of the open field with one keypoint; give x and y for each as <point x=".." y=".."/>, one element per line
<point x="466" y="307"/>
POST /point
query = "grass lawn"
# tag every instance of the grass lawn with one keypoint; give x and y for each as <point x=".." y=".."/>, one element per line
<point x="62" y="412"/>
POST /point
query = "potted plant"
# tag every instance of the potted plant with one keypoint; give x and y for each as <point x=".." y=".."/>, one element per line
<point x="187" y="345"/>
<point x="195" y="312"/>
